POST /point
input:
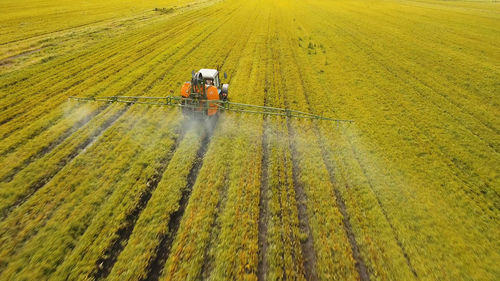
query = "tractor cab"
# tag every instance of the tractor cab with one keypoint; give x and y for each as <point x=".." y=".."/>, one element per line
<point x="211" y="77"/>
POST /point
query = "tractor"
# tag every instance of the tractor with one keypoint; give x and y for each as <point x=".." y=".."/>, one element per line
<point x="200" y="96"/>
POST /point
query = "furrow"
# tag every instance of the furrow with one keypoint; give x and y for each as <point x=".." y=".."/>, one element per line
<point x="165" y="246"/>
<point x="263" y="206"/>
<point x="300" y="197"/>
<point x="47" y="149"/>
<point x="63" y="162"/>
<point x="98" y="206"/>
<point x="107" y="261"/>
<point x="384" y="212"/>
<point x="360" y="264"/>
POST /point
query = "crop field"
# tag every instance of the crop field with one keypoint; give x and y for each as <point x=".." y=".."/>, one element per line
<point x="104" y="191"/>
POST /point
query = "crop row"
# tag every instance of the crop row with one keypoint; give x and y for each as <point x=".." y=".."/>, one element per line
<point x="333" y="246"/>
<point x="226" y="191"/>
<point x="96" y="251"/>
<point x="57" y="133"/>
<point x="44" y="143"/>
<point x="408" y="149"/>
<point x="284" y="258"/>
<point x="94" y="254"/>
<point x="154" y="227"/>
<point x="43" y="169"/>
<point x="24" y="20"/>
<point x="101" y="190"/>
<point x="408" y="191"/>
<point x="116" y="218"/>
<point x="90" y="78"/>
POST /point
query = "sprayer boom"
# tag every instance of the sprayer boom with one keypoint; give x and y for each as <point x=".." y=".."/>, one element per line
<point x="222" y="105"/>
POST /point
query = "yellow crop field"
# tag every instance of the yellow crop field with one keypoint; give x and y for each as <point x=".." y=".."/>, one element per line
<point x="109" y="191"/>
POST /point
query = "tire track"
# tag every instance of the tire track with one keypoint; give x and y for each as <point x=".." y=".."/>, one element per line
<point x="384" y="212"/>
<point x="359" y="261"/>
<point x="346" y="221"/>
<point x="209" y="259"/>
<point x="105" y="264"/>
<point x="63" y="162"/>
<point x="163" y="252"/>
<point x="205" y="271"/>
<point x="307" y="245"/>
<point x="356" y="254"/>
<point x="361" y="267"/>
<point x="300" y="197"/>
<point x="262" y="266"/>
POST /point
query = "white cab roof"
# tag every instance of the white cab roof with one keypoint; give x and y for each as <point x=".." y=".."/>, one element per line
<point x="208" y="73"/>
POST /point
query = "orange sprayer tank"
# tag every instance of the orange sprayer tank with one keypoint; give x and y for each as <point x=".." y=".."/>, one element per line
<point x="212" y="94"/>
<point x="186" y="89"/>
